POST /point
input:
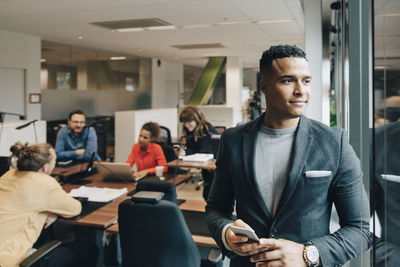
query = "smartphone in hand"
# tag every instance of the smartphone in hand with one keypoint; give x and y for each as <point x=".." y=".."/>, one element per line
<point x="244" y="231"/>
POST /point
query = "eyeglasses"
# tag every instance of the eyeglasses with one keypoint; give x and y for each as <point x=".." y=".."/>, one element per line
<point x="78" y="122"/>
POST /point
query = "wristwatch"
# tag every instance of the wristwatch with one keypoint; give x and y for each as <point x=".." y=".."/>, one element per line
<point x="311" y="254"/>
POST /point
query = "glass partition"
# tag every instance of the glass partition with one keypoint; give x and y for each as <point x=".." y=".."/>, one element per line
<point x="385" y="198"/>
<point x="77" y="68"/>
<point x="98" y="82"/>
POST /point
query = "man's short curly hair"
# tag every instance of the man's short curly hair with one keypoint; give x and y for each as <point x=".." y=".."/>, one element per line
<point x="278" y="51"/>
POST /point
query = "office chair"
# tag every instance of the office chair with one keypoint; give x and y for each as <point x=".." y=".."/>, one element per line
<point x="167" y="188"/>
<point x="35" y="258"/>
<point x="220" y="129"/>
<point x="165" y="136"/>
<point x="155" y="234"/>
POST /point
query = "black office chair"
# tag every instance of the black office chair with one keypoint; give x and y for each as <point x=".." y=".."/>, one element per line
<point x="155" y="234"/>
<point x="220" y="129"/>
<point x="165" y="136"/>
<point x="35" y="258"/>
<point x="167" y="188"/>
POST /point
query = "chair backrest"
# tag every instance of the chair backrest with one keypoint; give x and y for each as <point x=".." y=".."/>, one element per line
<point x="165" y="136"/>
<point x="215" y="144"/>
<point x="155" y="234"/>
<point x="167" y="188"/>
<point x="220" y="129"/>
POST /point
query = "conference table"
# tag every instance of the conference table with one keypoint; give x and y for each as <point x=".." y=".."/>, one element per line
<point x="207" y="165"/>
<point x="91" y="227"/>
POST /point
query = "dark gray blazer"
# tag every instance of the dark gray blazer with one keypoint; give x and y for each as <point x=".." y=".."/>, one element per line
<point x="305" y="207"/>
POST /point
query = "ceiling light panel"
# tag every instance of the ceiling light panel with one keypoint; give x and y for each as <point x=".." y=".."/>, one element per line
<point x="132" y="23"/>
<point x="199" y="46"/>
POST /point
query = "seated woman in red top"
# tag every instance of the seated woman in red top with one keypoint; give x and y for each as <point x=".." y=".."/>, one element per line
<point x="145" y="154"/>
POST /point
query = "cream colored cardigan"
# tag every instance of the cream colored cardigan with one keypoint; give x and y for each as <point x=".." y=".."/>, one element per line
<point x="26" y="198"/>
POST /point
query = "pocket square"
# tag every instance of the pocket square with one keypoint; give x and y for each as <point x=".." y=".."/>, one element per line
<point x="313" y="174"/>
<point x="390" y="177"/>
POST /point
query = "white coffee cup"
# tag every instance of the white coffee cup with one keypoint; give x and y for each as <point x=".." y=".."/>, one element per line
<point x="159" y="171"/>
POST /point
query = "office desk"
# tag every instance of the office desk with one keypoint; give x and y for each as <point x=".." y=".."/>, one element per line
<point x="208" y="165"/>
<point x="107" y="215"/>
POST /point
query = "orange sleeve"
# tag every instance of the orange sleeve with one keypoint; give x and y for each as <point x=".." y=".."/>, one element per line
<point x="160" y="159"/>
<point x="131" y="157"/>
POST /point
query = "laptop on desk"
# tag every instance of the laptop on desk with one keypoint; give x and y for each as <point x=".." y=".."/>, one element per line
<point x="117" y="172"/>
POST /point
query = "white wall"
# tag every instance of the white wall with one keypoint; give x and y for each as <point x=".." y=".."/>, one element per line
<point x="129" y="123"/>
<point x="222" y="115"/>
<point x="22" y="51"/>
<point x="166" y="84"/>
<point x="34" y="133"/>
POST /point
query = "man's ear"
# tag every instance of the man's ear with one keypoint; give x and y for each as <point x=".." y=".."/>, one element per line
<point x="263" y="86"/>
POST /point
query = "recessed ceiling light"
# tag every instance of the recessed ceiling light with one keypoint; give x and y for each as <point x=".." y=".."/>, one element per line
<point x="80" y="36"/>
<point x="139" y="50"/>
<point x="130" y="30"/>
<point x="117" y="58"/>
<point x="196" y="26"/>
<point x="274" y="21"/>
<point x="158" y="28"/>
<point x="233" y="22"/>
<point x="389" y="15"/>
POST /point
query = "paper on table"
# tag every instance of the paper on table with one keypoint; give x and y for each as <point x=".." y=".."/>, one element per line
<point x="96" y="194"/>
<point x="199" y="157"/>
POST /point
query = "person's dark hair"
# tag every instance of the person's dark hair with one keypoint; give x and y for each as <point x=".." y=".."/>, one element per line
<point x="278" y="51"/>
<point x="77" y="111"/>
<point x="30" y="157"/>
<point x="192" y="113"/>
<point x="153" y="128"/>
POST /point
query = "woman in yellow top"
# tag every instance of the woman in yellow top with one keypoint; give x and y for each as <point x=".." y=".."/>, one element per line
<point x="30" y="199"/>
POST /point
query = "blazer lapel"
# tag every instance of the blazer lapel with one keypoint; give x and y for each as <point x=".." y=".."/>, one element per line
<point x="302" y="144"/>
<point x="248" y="146"/>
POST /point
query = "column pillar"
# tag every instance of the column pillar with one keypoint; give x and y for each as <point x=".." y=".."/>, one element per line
<point x="318" y="108"/>
<point x="234" y="81"/>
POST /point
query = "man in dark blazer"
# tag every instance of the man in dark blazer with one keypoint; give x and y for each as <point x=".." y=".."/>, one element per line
<point x="283" y="172"/>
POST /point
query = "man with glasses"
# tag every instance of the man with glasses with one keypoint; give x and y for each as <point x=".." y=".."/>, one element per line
<point x="76" y="141"/>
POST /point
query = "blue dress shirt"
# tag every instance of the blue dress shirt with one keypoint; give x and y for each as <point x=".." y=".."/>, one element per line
<point x="67" y="143"/>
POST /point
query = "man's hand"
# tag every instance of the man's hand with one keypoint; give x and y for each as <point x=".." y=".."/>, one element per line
<point x="280" y="252"/>
<point x="238" y="242"/>
<point x="80" y="151"/>
<point x="51" y="217"/>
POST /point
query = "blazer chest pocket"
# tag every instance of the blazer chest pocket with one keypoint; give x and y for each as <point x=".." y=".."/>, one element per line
<point x="318" y="176"/>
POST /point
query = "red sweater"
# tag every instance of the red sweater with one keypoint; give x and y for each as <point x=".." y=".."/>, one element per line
<point x="154" y="156"/>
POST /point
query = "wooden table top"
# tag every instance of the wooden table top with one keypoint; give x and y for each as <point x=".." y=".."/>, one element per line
<point x="107" y="215"/>
<point x="208" y="165"/>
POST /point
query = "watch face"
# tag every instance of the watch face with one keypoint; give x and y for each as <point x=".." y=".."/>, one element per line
<point x="312" y="254"/>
